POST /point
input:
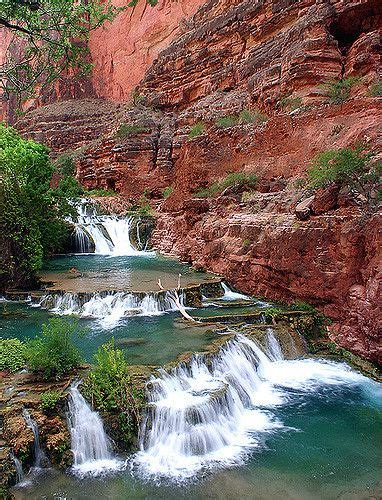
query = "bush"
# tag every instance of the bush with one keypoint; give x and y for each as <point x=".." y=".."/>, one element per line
<point x="338" y="91"/>
<point x="234" y="180"/>
<point x="49" y="401"/>
<point x="126" y="130"/>
<point x="376" y="89"/>
<point x="110" y="388"/>
<point x="53" y="353"/>
<point x="196" y="130"/>
<point x="227" y="121"/>
<point x="348" y="168"/>
<point x="12" y="355"/>
<point x="290" y="103"/>
<point x="167" y="191"/>
<point x="100" y="192"/>
<point x="247" y="116"/>
<point x="65" y="164"/>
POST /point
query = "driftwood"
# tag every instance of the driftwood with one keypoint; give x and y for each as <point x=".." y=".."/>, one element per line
<point x="175" y="296"/>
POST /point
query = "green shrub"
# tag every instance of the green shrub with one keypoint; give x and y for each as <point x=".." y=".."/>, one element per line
<point x="49" y="401"/>
<point x="247" y="116"/>
<point x="65" y="164"/>
<point x="126" y="130"/>
<point x="338" y="91"/>
<point x="167" y="191"/>
<point x="348" y="168"/>
<point x="290" y="103"/>
<point x="234" y="180"/>
<point x="376" y="89"/>
<point x="100" y="192"/>
<point x="196" y="130"/>
<point x="227" y="121"/>
<point x="12" y="355"/>
<point x="53" y="352"/>
<point x="110" y="388"/>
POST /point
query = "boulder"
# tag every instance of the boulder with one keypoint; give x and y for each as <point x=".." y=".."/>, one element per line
<point x="303" y="209"/>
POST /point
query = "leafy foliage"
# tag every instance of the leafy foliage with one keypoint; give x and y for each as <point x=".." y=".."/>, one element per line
<point x="100" y="192"/>
<point x="49" y="38"/>
<point x="196" y="130"/>
<point x="49" y="401"/>
<point x="31" y="212"/>
<point x="338" y="91"/>
<point x="110" y="388"/>
<point x="53" y="352"/>
<point x="376" y="89"/>
<point x="12" y="355"/>
<point x="126" y="130"/>
<point x="234" y="180"/>
<point x="167" y="192"/>
<point x="350" y="168"/>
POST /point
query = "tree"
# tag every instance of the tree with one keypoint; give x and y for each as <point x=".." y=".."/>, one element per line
<point x="31" y="212"/>
<point x="48" y="38"/>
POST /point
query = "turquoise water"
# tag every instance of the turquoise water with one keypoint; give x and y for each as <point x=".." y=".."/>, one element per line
<point x="160" y="338"/>
<point x="330" y="448"/>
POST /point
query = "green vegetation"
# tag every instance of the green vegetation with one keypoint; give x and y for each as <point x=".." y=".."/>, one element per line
<point x="244" y="117"/>
<point x="290" y="103"/>
<point x="100" y="192"/>
<point x="53" y="353"/>
<point x="49" y="401"/>
<point x="196" y="130"/>
<point x="349" y="168"/>
<point x="65" y="164"/>
<point x="248" y="116"/>
<point x="12" y="355"/>
<point x="376" y="89"/>
<point x="234" y="180"/>
<point x="110" y="389"/>
<point x="54" y="35"/>
<point x="31" y="212"/>
<point x="338" y="91"/>
<point x="126" y="130"/>
<point x="167" y="192"/>
<point x="312" y="326"/>
<point x="227" y="121"/>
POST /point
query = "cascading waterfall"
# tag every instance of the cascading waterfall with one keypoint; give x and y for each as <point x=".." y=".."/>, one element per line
<point x="110" y="307"/>
<point x="91" y="447"/>
<point x="231" y="295"/>
<point x="103" y="234"/>
<point x="213" y="413"/>
<point x="19" y="469"/>
<point x="40" y="458"/>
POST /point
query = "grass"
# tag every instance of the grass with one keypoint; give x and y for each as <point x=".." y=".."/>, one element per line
<point x="338" y="91"/>
<point x="245" y="116"/>
<point x="376" y="89"/>
<point x="167" y="191"/>
<point x="196" y="130"/>
<point x="235" y="180"/>
<point x="126" y="130"/>
<point x="290" y="103"/>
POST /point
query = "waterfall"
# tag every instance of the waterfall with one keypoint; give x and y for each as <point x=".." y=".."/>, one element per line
<point x="90" y="445"/>
<point x="110" y="307"/>
<point x="39" y="456"/>
<point x="19" y="469"/>
<point x="214" y="412"/>
<point x="103" y="234"/>
<point x="230" y="295"/>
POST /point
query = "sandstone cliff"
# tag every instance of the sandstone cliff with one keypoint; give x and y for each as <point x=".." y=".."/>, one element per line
<point x="226" y="57"/>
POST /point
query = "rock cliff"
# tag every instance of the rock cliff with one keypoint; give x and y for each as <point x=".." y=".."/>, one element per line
<point x="227" y="57"/>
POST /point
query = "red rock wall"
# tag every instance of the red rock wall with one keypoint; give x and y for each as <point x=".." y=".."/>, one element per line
<point x="123" y="50"/>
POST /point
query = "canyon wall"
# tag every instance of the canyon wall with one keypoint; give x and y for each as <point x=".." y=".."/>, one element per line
<point x="269" y="59"/>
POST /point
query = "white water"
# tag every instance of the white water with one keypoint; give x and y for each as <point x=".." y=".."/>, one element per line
<point x="111" y="308"/>
<point x="91" y="447"/>
<point x="19" y="469"/>
<point x="39" y="455"/>
<point x="109" y="234"/>
<point x="231" y="295"/>
<point x="214" y="416"/>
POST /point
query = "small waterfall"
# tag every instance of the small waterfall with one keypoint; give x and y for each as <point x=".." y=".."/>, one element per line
<point x="215" y="412"/>
<point x="90" y="445"/>
<point x="19" y="469"/>
<point x="231" y="295"/>
<point x="40" y="458"/>
<point x="110" y="307"/>
<point x="103" y="234"/>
